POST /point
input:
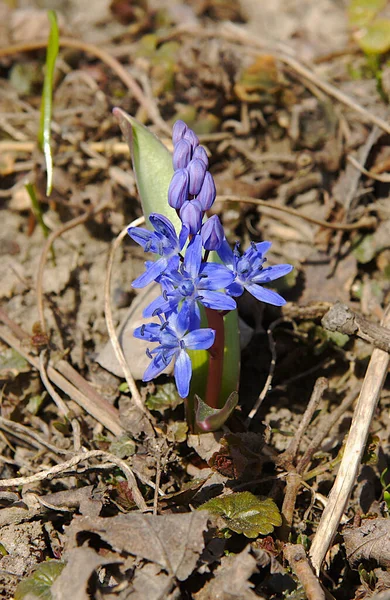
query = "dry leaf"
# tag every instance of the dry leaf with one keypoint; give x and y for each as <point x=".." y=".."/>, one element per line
<point x="371" y="542"/>
<point x="174" y="542"/>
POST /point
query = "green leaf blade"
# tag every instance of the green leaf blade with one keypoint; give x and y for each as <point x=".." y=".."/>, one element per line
<point x="44" y="135"/>
<point x="245" y="513"/>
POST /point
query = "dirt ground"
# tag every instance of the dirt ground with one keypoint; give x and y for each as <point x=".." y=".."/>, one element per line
<point x="98" y="498"/>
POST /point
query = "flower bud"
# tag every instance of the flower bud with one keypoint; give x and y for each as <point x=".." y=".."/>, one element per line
<point x="207" y="192"/>
<point x="178" y="188"/>
<point x="201" y="153"/>
<point x="182" y="154"/>
<point x="196" y="171"/>
<point x="212" y="234"/>
<point x="192" y="138"/>
<point x="179" y="129"/>
<point x="191" y="215"/>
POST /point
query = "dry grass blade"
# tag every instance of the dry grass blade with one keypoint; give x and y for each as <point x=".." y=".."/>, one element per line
<point x="123" y="74"/>
<point x="354" y="448"/>
<point x="296" y="556"/>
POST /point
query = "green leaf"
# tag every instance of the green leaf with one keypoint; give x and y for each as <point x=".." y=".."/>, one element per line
<point x="44" y="135"/>
<point x="123" y="446"/>
<point x="243" y="512"/>
<point x="375" y="38"/>
<point x="211" y="419"/>
<point x="165" y="397"/>
<point x="152" y="164"/>
<point x="361" y="12"/>
<point x="36" y="208"/>
<point x="177" y="431"/>
<point x="12" y="363"/>
<point x="38" y="585"/>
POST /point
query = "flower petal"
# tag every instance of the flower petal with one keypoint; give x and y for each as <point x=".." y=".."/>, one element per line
<point x="193" y="257"/>
<point x="217" y="300"/>
<point x="164" y="227"/>
<point x="140" y="235"/>
<point x="235" y="289"/>
<point x="153" y="271"/>
<point x="158" y="305"/>
<point x="156" y="366"/>
<point x="149" y="332"/>
<point x="225" y="253"/>
<point x="183" y="373"/>
<point x="199" y="339"/>
<point x="218" y="276"/>
<point x="265" y="295"/>
<point x="272" y="273"/>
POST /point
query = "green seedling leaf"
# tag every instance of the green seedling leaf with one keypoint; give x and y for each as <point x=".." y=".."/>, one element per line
<point x="38" y="585"/>
<point x="37" y="210"/>
<point x="165" y="397"/>
<point x="243" y="512"/>
<point x="177" y="431"/>
<point x="361" y="12"/>
<point x="44" y="136"/>
<point x="152" y="164"/>
<point x="375" y="38"/>
<point x="211" y="419"/>
<point x="386" y="498"/>
<point x="123" y="447"/>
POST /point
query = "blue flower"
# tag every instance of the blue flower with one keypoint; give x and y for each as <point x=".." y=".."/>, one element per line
<point x="174" y="341"/>
<point x="163" y="241"/>
<point x="249" y="273"/>
<point x="194" y="282"/>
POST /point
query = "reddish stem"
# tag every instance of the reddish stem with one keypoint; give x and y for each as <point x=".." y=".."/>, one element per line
<point x="214" y="378"/>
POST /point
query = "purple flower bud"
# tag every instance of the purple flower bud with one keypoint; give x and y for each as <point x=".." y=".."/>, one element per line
<point x="212" y="234"/>
<point x="201" y="153"/>
<point x="179" y="129"/>
<point x="178" y="188"/>
<point x="207" y="193"/>
<point x="192" y="138"/>
<point x="196" y="171"/>
<point x="191" y="215"/>
<point x="182" y="154"/>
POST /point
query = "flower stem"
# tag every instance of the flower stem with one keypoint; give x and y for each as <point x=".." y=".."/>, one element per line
<point x="214" y="378"/>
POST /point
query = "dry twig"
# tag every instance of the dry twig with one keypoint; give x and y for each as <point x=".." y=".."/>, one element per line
<point x="58" y="470"/>
<point x="354" y="448"/>
<point x="363" y="223"/>
<point x="296" y="556"/>
<point x="341" y="318"/>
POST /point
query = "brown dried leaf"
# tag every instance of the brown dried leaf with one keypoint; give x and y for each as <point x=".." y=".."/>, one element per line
<point x="371" y="541"/>
<point x="174" y="542"/>
<point x="73" y="581"/>
<point x="230" y="580"/>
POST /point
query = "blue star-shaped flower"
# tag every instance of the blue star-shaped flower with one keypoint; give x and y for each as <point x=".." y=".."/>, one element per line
<point x="174" y="341"/>
<point x="194" y="282"/>
<point x="249" y="273"/>
<point x="163" y="241"/>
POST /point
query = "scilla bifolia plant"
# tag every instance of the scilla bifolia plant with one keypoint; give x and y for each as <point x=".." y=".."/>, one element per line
<point x="200" y="275"/>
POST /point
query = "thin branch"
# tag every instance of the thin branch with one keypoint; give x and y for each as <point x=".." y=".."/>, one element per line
<point x="271" y="371"/>
<point x="354" y="448"/>
<point x="296" y="556"/>
<point x="36" y="440"/>
<point x="363" y="223"/>
<point x="123" y="74"/>
<point x="57" y="471"/>
<point x="45" y="380"/>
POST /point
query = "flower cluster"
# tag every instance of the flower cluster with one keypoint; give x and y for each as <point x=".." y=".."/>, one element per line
<point x="187" y="277"/>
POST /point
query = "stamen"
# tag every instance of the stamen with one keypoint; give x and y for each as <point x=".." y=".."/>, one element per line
<point x="143" y="329"/>
<point x="149" y="354"/>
